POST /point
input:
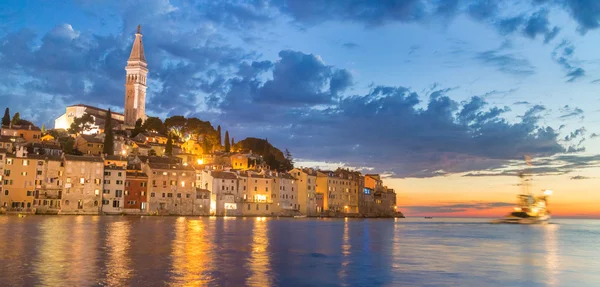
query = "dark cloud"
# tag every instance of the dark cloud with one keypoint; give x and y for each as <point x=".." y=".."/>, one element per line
<point x="538" y="24"/>
<point x="563" y="55"/>
<point x="579" y="177"/>
<point x="585" y="12"/>
<point x="593" y="136"/>
<point x="521" y="103"/>
<point x="454" y="208"/>
<point x="575" y="134"/>
<point x="506" y="62"/>
<point x="568" y="112"/>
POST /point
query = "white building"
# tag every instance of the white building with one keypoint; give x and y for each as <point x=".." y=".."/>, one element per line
<point x="112" y="192"/>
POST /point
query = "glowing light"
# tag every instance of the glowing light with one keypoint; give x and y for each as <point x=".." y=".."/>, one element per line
<point x="124" y="152"/>
<point x="183" y="184"/>
<point x="200" y="161"/>
<point x="346" y="206"/>
<point x="548" y="192"/>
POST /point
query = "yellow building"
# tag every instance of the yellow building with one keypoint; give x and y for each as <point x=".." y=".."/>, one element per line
<point x="30" y="133"/>
<point x="49" y="185"/>
<point x="47" y="138"/>
<point x="19" y="181"/>
<point x="256" y="193"/>
<point x="244" y="161"/>
<point x="307" y="188"/>
<point x="89" y="144"/>
<point x="339" y="189"/>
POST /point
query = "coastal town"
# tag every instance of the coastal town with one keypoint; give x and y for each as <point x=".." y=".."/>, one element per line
<point x="98" y="162"/>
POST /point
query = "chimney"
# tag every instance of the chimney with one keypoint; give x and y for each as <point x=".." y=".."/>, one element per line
<point x="29" y="127"/>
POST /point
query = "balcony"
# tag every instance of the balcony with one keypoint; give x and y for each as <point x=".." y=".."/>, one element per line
<point x="48" y="195"/>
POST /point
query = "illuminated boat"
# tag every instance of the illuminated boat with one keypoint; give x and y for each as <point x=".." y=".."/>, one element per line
<point x="530" y="209"/>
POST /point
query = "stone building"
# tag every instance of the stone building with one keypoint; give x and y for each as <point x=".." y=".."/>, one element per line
<point x="89" y="144"/>
<point x="256" y="193"/>
<point x="83" y="184"/>
<point x="224" y="190"/>
<point x="29" y="133"/>
<point x="19" y="181"/>
<point x="172" y="187"/>
<point x="339" y="189"/>
<point x="286" y="189"/>
<point x="113" y="189"/>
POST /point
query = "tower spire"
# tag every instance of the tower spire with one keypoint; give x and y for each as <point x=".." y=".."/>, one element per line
<point x="137" y="51"/>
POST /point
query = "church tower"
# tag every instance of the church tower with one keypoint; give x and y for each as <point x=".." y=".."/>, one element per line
<point x="135" y="82"/>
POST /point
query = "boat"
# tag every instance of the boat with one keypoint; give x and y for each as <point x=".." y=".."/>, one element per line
<point x="530" y="209"/>
<point x="300" y="216"/>
<point x="22" y="215"/>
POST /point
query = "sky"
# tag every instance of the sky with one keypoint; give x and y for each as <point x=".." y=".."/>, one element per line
<point x="443" y="97"/>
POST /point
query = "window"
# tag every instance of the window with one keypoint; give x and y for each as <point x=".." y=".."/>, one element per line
<point x="67" y="202"/>
<point x="7" y="172"/>
<point x="9" y="161"/>
<point x="120" y="174"/>
<point x="95" y="203"/>
<point x="97" y="181"/>
<point x="143" y="184"/>
<point x="179" y="195"/>
<point x="116" y="203"/>
<point x="127" y="192"/>
<point x="267" y="206"/>
<point x="255" y="188"/>
<point x="82" y="180"/>
<point x="24" y="173"/>
<point x="163" y="195"/>
<point x="143" y="193"/>
<point x="25" y="162"/>
<point x="256" y="206"/>
<point x="104" y="202"/>
<point x="107" y="181"/>
<point x="68" y="180"/>
<point x="164" y="173"/>
<point x="183" y="184"/>
<point x="97" y="191"/>
<point x="6" y="192"/>
<point x="127" y="183"/>
<point x="154" y="183"/>
<point x="164" y="182"/>
<point x="119" y="182"/>
<point x="39" y="172"/>
<point x="248" y="206"/>
<point x="169" y="194"/>
<point x="152" y="194"/>
<point x="118" y="193"/>
<point x="187" y="195"/>
<point x="173" y="182"/>
<point x="107" y="173"/>
<point x="174" y="174"/>
<point x="106" y="191"/>
<point x="222" y="187"/>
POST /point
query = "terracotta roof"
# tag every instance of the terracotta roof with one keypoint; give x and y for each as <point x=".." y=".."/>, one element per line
<point x="69" y="157"/>
<point x="21" y="127"/>
<point x="159" y="159"/>
<point x="223" y="175"/>
<point x="44" y="157"/>
<point x="115" y="157"/>
<point x="94" y="108"/>
<point x="202" y="190"/>
<point x="136" y="174"/>
<point x="92" y="139"/>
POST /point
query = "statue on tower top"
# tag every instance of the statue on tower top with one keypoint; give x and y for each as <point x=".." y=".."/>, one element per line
<point x="139" y="29"/>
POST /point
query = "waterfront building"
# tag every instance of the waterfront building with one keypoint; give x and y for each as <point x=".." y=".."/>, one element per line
<point x="29" y="133"/>
<point x="307" y="188"/>
<point x="18" y="181"/>
<point x="223" y="186"/>
<point x="89" y="144"/>
<point x="135" y="82"/>
<point x="203" y="201"/>
<point x="3" y="153"/>
<point x="98" y="115"/>
<point x="339" y="189"/>
<point x="113" y="189"/>
<point x="256" y="192"/>
<point x="49" y="184"/>
<point x="172" y="187"/>
<point x="83" y="184"/>
<point x="136" y="192"/>
<point x="286" y="192"/>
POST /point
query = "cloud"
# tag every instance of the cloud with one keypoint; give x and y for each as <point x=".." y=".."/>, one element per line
<point x="575" y="134"/>
<point x="579" y="177"/>
<point x="593" y="136"/>
<point x="350" y="45"/>
<point x="455" y="208"/>
<point x="570" y="112"/>
<point x="563" y="55"/>
<point x="521" y="103"/>
<point x="506" y="62"/>
<point x="538" y="24"/>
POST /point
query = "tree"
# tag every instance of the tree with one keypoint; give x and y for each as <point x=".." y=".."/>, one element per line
<point x="154" y="124"/>
<point x="82" y="124"/>
<point x="67" y="144"/>
<point x="176" y="125"/>
<point x="219" y="134"/>
<point x="289" y="161"/>
<point x="169" y="147"/>
<point x="109" y="141"/>
<point x="16" y="118"/>
<point x="137" y="129"/>
<point x="6" y="118"/>
<point x="232" y="144"/>
<point x="227" y="144"/>
<point x="207" y="144"/>
<point x="43" y="128"/>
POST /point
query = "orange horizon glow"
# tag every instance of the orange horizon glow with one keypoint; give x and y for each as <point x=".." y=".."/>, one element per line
<point x="459" y="196"/>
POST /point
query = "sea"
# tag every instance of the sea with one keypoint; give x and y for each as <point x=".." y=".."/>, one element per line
<point x="209" y="251"/>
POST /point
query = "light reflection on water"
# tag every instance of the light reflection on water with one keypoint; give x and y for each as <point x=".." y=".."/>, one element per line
<point x="186" y="251"/>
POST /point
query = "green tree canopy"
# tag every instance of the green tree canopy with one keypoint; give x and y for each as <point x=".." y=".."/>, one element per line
<point x="81" y="124"/>
<point x="6" y="118"/>
<point x="154" y="124"/>
<point x="109" y="142"/>
<point x="219" y="138"/>
<point x="16" y="118"/>
<point x="137" y="129"/>
<point x="176" y="125"/>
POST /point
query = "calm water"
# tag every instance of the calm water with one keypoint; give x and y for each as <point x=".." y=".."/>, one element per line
<point x="159" y="251"/>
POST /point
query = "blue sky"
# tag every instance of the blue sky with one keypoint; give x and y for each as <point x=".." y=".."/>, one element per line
<point x="416" y="88"/>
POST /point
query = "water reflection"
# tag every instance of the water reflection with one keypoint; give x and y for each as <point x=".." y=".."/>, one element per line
<point x="119" y="262"/>
<point x="551" y="248"/>
<point x="258" y="263"/>
<point x="343" y="273"/>
<point x="191" y="253"/>
<point x="51" y="268"/>
<point x="81" y="268"/>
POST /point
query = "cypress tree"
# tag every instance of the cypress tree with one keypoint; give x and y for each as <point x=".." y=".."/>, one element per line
<point x="227" y="144"/>
<point x="232" y="142"/>
<point x="109" y="141"/>
<point x="6" y="118"/>
<point x="219" y="134"/>
<point x="16" y="118"/>
<point x="169" y="147"/>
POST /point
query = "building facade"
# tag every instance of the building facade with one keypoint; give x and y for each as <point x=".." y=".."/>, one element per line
<point x="172" y="187"/>
<point x="307" y="188"/>
<point x="83" y="184"/>
<point x="136" y="192"/>
<point x="113" y="189"/>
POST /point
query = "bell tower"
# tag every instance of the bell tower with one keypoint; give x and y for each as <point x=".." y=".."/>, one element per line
<point x="135" y="82"/>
